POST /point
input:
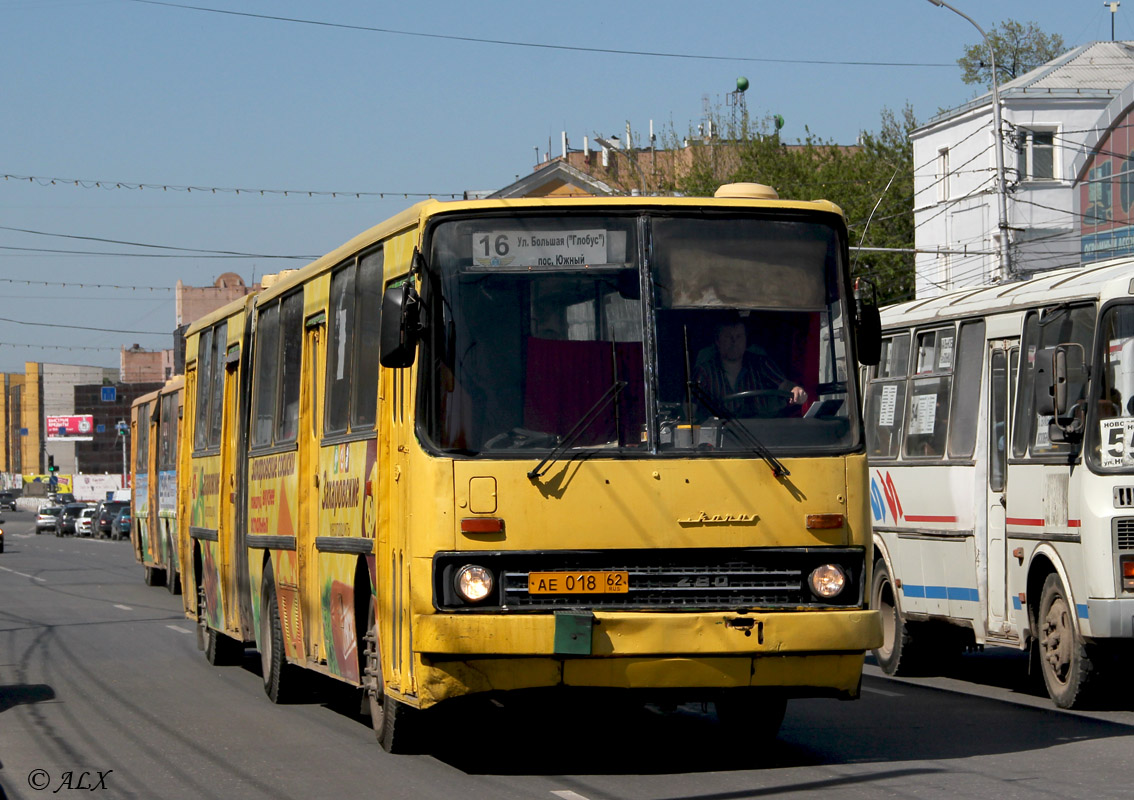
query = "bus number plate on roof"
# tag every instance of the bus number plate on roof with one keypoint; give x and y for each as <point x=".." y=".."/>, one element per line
<point x="508" y="250"/>
<point x="605" y="582"/>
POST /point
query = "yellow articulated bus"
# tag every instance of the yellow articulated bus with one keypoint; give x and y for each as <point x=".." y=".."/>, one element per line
<point x="494" y="446"/>
<point x="154" y="425"/>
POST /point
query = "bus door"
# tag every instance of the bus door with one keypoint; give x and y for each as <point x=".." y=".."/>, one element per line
<point x="310" y="415"/>
<point x="238" y="609"/>
<point x="1002" y="363"/>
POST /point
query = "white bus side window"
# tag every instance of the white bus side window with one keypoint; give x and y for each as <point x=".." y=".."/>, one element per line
<point x="966" y="404"/>
<point x="886" y="396"/>
<point x="929" y="394"/>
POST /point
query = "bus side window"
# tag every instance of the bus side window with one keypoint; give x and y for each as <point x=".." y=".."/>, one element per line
<point x="929" y="394"/>
<point x="885" y="398"/>
<point x="267" y="371"/>
<point x="966" y="403"/>
<point x="290" y="360"/>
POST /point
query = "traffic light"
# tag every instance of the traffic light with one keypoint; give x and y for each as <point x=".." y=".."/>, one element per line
<point x="51" y="463"/>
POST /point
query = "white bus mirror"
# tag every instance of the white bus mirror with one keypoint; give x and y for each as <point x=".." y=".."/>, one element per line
<point x="1047" y="386"/>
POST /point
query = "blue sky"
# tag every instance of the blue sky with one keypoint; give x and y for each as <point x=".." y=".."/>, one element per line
<point x="129" y="92"/>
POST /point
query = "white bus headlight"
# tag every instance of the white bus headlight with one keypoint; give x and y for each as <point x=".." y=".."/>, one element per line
<point x="827" y="581"/>
<point x="474" y="583"/>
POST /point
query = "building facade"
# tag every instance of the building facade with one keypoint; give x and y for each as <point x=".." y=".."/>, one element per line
<point x="1052" y="117"/>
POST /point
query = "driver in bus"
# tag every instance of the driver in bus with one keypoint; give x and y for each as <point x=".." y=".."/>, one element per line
<point x="742" y="381"/>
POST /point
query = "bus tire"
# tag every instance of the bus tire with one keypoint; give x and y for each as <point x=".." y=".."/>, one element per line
<point x="173" y="581"/>
<point x="895" y="656"/>
<point x="751" y="715"/>
<point x="279" y="676"/>
<point x="1065" y="662"/>
<point x="220" y="650"/>
<point x="391" y="719"/>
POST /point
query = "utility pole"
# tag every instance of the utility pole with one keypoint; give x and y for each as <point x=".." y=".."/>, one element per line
<point x="1113" y="6"/>
<point x="123" y="428"/>
<point x="1001" y="187"/>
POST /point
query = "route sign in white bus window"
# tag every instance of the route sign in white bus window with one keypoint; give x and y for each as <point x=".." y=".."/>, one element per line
<point x="1115" y="437"/>
<point x="945" y="357"/>
<point x="886" y="405"/>
<point x="925" y="414"/>
<point x="551" y="249"/>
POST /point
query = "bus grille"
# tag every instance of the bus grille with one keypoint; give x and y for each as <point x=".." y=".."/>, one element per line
<point x="662" y="579"/>
<point x="1124" y="533"/>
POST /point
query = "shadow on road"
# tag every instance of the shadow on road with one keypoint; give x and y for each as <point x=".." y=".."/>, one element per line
<point x="24" y="694"/>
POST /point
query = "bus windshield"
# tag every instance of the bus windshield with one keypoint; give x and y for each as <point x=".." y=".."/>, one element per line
<point x="641" y="335"/>
<point x="1110" y="437"/>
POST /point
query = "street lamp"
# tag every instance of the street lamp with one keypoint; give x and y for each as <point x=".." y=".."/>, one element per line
<point x="1001" y="190"/>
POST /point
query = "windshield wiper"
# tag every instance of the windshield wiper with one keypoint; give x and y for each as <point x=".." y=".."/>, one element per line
<point x="748" y="437"/>
<point x="584" y="422"/>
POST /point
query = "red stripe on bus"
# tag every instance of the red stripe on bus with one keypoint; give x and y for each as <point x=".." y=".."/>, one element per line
<point x="1039" y="523"/>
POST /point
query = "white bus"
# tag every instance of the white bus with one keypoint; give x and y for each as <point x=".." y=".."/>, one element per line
<point x="999" y="424"/>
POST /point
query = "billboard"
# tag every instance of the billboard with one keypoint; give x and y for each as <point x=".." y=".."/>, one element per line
<point x="73" y="427"/>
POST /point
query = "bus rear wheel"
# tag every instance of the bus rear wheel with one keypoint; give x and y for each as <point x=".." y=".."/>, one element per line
<point x="279" y="676"/>
<point x="220" y="650"/>
<point x="391" y="719"/>
<point x="1064" y="660"/>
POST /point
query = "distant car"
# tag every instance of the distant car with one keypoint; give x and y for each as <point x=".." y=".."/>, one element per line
<point x="84" y="523"/>
<point x="1" y="538"/>
<point x="66" y="524"/>
<point x="62" y="498"/>
<point x="7" y="501"/>
<point x="47" y="517"/>
<point x="122" y="524"/>
<point x="105" y="512"/>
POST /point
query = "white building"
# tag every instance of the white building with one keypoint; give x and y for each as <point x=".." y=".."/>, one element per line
<point x="1054" y="118"/>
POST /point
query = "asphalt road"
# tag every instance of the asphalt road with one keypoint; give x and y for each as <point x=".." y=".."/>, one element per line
<point x="102" y="687"/>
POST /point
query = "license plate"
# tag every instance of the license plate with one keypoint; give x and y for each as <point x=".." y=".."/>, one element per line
<point x="606" y="582"/>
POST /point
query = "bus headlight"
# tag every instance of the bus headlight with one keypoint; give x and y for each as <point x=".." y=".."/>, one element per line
<point x="474" y="583"/>
<point x="827" y="581"/>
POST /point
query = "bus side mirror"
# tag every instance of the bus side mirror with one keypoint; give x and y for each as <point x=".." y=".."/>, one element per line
<point x="1051" y="387"/>
<point x="401" y="316"/>
<point x="868" y="332"/>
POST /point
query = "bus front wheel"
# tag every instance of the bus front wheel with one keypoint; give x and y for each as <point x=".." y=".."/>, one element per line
<point x="894" y="656"/>
<point x="1064" y="660"/>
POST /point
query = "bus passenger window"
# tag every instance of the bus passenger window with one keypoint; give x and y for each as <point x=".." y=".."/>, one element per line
<point x="963" y="416"/>
<point x="927" y="418"/>
<point x="886" y="398"/>
<point x="267" y="366"/>
<point x="291" y="347"/>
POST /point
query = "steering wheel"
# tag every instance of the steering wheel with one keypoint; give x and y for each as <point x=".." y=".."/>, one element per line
<point x="778" y="394"/>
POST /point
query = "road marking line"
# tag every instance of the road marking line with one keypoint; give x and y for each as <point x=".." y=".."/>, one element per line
<point x="882" y="692"/>
<point x="178" y="629"/>
<point x="124" y="608"/>
<point x="567" y="794"/>
<point x="24" y="575"/>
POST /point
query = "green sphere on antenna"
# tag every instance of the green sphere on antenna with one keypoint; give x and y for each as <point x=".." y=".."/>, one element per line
<point x="742" y="84"/>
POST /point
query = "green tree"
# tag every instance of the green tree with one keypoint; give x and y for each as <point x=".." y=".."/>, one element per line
<point x="1019" y="48"/>
<point x="871" y="181"/>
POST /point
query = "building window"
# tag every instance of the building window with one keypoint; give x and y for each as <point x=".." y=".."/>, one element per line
<point x="942" y="176"/>
<point x="1036" y="150"/>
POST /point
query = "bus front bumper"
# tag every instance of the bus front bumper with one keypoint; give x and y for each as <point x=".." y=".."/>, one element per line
<point x="618" y="634"/>
<point x="802" y="653"/>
